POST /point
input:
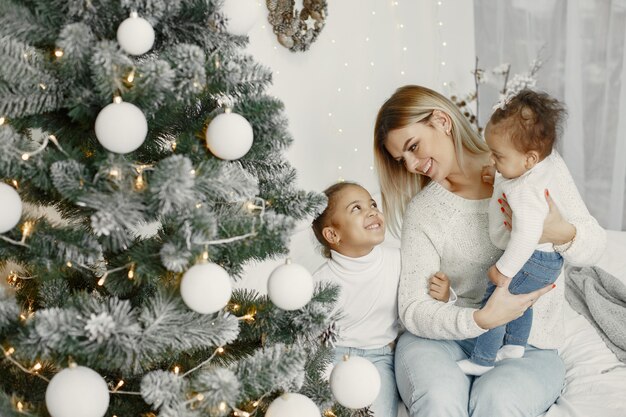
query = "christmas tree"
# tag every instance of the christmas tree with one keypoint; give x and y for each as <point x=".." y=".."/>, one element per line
<point x="144" y="133"/>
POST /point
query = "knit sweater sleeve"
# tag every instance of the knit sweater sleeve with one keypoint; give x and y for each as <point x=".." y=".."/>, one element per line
<point x="590" y="241"/>
<point x="422" y="242"/>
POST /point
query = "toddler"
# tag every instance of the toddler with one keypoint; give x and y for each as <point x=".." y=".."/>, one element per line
<point x="521" y="135"/>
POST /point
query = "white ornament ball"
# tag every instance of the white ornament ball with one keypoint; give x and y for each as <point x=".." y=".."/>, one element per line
<point x="241" y="15"/>
<point x="121" y="127"/>
<point x="355" y="382"/>
<point x="292" y="404"/>
<point x="206" y="288"/>
<point x="135" y="35"/>
<point x="77" y="392"/>
<point x="290" y="286"/>
<point x="10" y="207"/>
<point x="229" y="136"/>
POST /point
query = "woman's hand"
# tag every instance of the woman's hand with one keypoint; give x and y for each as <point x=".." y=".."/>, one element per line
<point x="503" y="307"/>
<point x="556" y="229"/>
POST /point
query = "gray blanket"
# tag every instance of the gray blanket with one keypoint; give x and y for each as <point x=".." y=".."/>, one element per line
<point x="601" y="298"/>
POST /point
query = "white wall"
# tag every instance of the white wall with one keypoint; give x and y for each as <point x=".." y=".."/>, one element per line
<point x="332" y="92"/>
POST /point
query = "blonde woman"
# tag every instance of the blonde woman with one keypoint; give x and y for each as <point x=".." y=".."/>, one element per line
<point x="430" y="165"/>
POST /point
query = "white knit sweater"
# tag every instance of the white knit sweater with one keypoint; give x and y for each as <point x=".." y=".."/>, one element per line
<point x="444" y="232"/>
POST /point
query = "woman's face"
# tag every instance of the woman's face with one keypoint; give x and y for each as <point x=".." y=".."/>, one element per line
<point x="423" y="148"/>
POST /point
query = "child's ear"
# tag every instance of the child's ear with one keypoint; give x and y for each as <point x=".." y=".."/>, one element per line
<point x="532" y="159"/>
<point x="330" y="235"/>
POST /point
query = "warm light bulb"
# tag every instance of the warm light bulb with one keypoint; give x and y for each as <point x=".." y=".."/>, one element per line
<point x="42" y="86"/>
<point x="131" y="272"/>
<point x="117" y="99"/>
<point x="37" y="366"/>
<point x="222" y="406"/>
<point x="220" y="350"/>
<point x="176" y="369"/>
<point x="58" y="53"/>
<point x="25" y="156"/>
<point x="131" y="76"/>
<point x="2" y="120"/>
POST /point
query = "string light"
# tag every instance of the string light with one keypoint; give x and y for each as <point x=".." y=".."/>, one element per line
<point x="14" y="182"/>
<point x="118" y="386"/>
<point x="131" y="272"/>
<point x="58" y="52"/>
<point x="2" y="120"/>
<point x="176" y="369"/>
<point x="117" y="99"/>
<point x="27" y="229"/>
<point x="131" y="76"/>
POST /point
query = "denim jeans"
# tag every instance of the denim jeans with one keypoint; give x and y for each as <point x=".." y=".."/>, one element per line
<point x="431" y="384"/>
<point x="386" y="404"/>
<point x="541" y="269"/>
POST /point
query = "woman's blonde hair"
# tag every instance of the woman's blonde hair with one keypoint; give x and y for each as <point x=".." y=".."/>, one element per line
<point x="413" y="104"/>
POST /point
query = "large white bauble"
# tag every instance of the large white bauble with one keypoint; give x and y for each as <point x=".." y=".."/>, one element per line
<point x="10" y="207"/>
<point x="292" y="404"/>
<point x="77" y="392"/>
<point x="290" y="286"/>
<point x="241" y="15"/>
<point x="229" y="136"/>
<point x="355" y="382"/>
<point x="121" y="127"/>
<point x="206" y="288"/>
<point x="135" y="35"/>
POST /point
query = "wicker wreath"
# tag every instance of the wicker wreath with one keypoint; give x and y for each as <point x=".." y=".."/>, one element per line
<point x="295" y="30"/>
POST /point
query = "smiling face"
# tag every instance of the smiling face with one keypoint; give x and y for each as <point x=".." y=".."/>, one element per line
<point x="356" y="224"/>
<point x="423" y="148"/>
<point x="508" y="160"/>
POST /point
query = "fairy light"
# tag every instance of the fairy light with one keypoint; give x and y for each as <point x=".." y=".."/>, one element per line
<point x="119" y="385"/>
<point x="27" y="229"/>
<point x="173" y="145"/>
<point x="117" y="99"/>
<point x="176" y="370"/>
<point x="131" y="272"/>
<point x="222" y="406"/>
<point x="36" y="367"/>
<point x="42" y="86"/>
<point x="205" y="255"/>
<point x="20" y="406"/>
<point x="69" y="264"/>
<point x="2" y="120"/>
<point x="114" y="173"/>
<point x="139" y="182"/>
<point x="14" y="182"/>
<point x="131" y="76"/>
<point x="9" y="351"/>
<point x="58" y="52"/>
<point x="220" y="350"/>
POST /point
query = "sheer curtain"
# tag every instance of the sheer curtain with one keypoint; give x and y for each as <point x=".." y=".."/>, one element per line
<point x="582" y="46"/>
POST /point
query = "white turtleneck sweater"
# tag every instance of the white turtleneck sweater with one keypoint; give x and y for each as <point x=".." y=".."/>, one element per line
<point x="368" y="297"/>
<point x="444" y="232"/>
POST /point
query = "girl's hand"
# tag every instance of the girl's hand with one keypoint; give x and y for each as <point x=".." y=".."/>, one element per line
<point x="556" y="229"/>
<point x="503" y="307"/>
<point x="439" y="287"/>
<point x="498" y="278"/>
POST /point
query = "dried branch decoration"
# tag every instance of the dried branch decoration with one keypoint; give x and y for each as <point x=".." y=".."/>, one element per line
<point x="295" y="30"/>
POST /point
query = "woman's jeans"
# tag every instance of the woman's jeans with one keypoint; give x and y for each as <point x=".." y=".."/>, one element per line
<point x="386" y="404"/>
<point x="432" y="384"/>
<point x="541" y="269"/>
